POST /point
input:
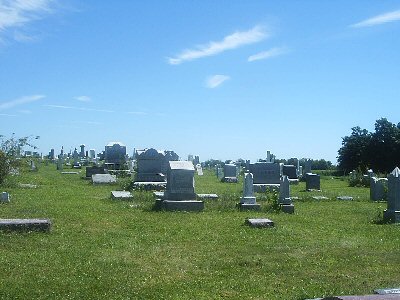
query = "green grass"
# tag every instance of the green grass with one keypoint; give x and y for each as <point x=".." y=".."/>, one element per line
<point x="100" y="248"/>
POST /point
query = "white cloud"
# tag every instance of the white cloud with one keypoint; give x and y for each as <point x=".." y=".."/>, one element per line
<point x="8" y="115"/>
<point x="83" y="98"/>
<point x="380" y="19"/>
<point x="20" y="101"/>
<point x="268" y="54"/>
<point x="25" y="112"/>
<point x="78" y="108"/>
<point x="232" y="41"/>
<point x="136" y="113"/>
<point x="18" y="13"/>
<point x="216" y="80"/>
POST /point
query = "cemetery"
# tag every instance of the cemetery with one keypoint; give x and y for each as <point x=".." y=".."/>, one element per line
<point x="200" y="235"/>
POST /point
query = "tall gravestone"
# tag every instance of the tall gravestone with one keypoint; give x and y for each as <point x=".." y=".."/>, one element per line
<point x="115" y="154"/>
<point x="392" y="213"/>
<point x="248" y="201"/>
<point x="150" y="166"/>
<point x="284" y="196"/>
<point x="179" y="194"/>
<point x="307" y="166"/>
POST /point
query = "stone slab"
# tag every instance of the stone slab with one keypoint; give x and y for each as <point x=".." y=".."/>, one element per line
<point x="208" y="196"/>
<point x="121" y="195"/>
<point x="364" y="297"/>
<point x="25" y="224"/>
<point x="27" y="186"/>
<point x="150" y="186"/>
<point x="104" y="179"/>
<point x="249" y="206"/>
<point x="346" y="198"/>
<point x="260" y="223"/>
<point x="71" y="173"/>
<point x="388" y="291"/>
<point x="183" y="205"/>
<point x="320" y="198"/>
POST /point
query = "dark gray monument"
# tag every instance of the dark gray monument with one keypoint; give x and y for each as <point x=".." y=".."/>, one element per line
<point x="179" y="194"/>
<point x="290" y="171"/>
<point x="265" y="176"/>
<point x="115" y="154"/>
<point x="284" y="196"/>
<point x="230" y="173"/>
<point x="313" y="182"/>
<point x="392" y="213"/>
<point x="377" y="189"/>
<point x="150" y="163"/>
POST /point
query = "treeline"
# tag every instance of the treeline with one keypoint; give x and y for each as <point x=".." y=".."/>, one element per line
<point x="378" y="150"/>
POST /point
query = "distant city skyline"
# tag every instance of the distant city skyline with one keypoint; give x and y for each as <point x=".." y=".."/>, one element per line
<point x="215" y="79"/>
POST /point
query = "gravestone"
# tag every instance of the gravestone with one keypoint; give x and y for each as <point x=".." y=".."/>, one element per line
<point x="220" y="173"/>
<point x="307" y="166"/>
<point x="149" y="166"/>
<point x="290" y="171"/>
<point x="94" y="170"/>
<point x="104" y="178"/>
<point x="248" y="201"/>
<point x="115" y="154"/>
<point x="199" y="170"/>
<point x="377" y="189"/>
<point x="179" y="194"/>
<point x="230" y="173"/>
<point x="121" y="195"/>
<point x="284" y="196"/>
<point x="313" y="182"/>
<point x="5" y="197"/>
<point x="169" y="155"/>
<point x="25" y="224"/>
<point x="392" y="213"/>
<point x="265" y="176"/>
<point x="259" y="223"/>
<point x="60" y="163"/>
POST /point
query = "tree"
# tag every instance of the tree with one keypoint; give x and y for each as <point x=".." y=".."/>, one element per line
<point x="10" y="150"/>
<point x="353" y="153"/>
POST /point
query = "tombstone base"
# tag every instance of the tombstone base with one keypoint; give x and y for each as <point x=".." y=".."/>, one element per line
<point x="391" y="216"/>
<point x="259" y="223"/>
<point x="184" y="205"/>
<point x="25" y="225"/>
<point x="287" y="208"/>
<point x="248" y="206"/>
<point x="230" y="179"/>
<point x="262" y="188"/>
<point x="150" y="186"/>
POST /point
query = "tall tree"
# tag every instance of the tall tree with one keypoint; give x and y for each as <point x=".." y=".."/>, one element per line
<point x="354" y="151"/>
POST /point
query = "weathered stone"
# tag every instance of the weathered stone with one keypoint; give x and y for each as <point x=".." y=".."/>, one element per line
<point x="377" y="189"/>
<point x="208" y="196"/>
<point x="121" y="195"/>
<point x="104" y="178"/>
<point x="260" y="223"/>
<point x="347" y="198"/>
<point x="248" y="201"/>
<point x="313" y="182"/>
<point x="5" y="197"/>
<point x="287" y="208"/>
<point x="392" y="213"/>
<point x="179" y="194"/>
<point x="25" y="224"/>
<point x="265" y="173"/>
<point x="284" y="191"/>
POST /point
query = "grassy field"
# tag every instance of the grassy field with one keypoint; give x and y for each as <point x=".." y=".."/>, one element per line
<point x="100" y="248"/>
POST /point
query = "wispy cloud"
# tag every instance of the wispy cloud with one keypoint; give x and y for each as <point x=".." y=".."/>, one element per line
<point x="78" y="108"/>
<point x="380" y="19"/>
<point x="216" y="80"/>
<point x="232" y="41"/>
<point x="20" y="101"/>
<point x="7" y="115"/>
<point x="25" y="112"/>
<point x="18" y="13"/>
<point x="83" y="98"/>
<point x="136" y="113"/>
<point x="268" y="54"/>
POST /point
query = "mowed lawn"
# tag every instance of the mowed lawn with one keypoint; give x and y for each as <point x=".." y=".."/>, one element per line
<point x="101" y="248"/>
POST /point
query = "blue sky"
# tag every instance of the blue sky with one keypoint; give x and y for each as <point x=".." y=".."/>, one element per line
<point x="220" y="79"/>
